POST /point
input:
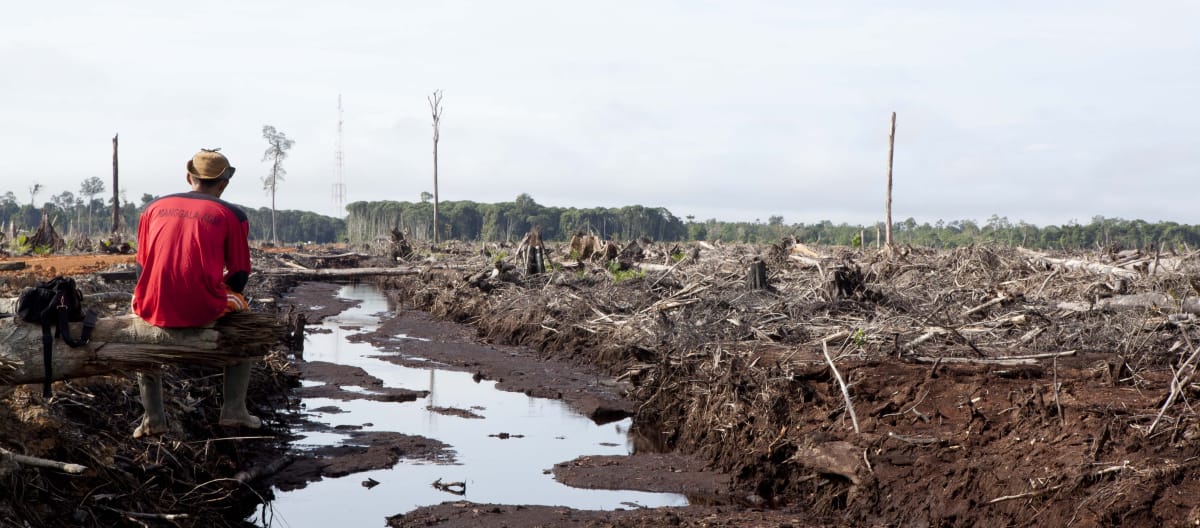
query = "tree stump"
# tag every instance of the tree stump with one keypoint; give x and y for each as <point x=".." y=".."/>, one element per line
<point x="756" y="275"/>
<point x="532" y="252"/>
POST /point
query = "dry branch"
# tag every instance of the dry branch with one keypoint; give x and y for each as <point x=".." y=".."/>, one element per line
<point x="1006" y="360"/>
<point x="841" y="383"/>
<point x="1176" y="386"/>
<point x="74" y="469"/>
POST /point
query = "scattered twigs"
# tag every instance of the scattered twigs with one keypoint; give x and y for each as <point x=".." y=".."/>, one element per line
<point x="25" y="460"/>
<point x="1100" y="473"/>
<point x="1176" y="386"/>
<point x="841" y="383"/>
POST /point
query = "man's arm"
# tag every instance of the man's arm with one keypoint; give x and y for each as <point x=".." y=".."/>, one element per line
<point x="237" y="255"/>
<point x="142" y="239"/>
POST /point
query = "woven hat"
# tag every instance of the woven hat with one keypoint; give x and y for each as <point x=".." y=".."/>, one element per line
<point x="209" y="164"/>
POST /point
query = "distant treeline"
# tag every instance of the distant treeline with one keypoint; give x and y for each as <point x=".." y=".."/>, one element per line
<point x="75" y="218"/>
<point x="508" y="221"/>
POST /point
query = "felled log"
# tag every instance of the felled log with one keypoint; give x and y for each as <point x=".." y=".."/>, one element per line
<point x="1077" y="264"/>
<point x="346" y="273"/>
<point x="1150" y="301"/>
<point x="341" y="260"/>
<point x="127" y="343"/>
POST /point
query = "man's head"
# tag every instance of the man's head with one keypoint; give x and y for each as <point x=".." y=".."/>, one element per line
<point x="209" y="172"/>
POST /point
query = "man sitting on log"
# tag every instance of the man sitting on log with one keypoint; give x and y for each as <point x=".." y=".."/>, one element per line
<point x="193" y="263"/>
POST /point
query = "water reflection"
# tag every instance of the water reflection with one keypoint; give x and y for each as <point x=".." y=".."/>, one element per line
<point x="508" y="471"/>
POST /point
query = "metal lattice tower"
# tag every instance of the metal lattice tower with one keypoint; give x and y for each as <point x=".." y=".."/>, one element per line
<point x="339" y="182"/>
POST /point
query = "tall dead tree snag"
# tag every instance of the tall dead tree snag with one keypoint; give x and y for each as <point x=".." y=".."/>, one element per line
<point x="435" y="106"/>
<point x="116" y="211"/>
<point x="891" y="150"/>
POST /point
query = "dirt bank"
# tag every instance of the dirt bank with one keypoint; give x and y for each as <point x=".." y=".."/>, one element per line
<point x="948" y="433"/>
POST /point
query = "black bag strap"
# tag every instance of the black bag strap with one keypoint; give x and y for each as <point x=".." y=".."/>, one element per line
<point x="63" y="330"/>
<point x="47" y="347"/>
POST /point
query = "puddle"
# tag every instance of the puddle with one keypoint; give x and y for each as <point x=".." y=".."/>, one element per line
<point x="512" y="470"/>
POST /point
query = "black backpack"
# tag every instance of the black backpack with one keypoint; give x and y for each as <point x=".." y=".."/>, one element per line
<point x="53" y="304"/>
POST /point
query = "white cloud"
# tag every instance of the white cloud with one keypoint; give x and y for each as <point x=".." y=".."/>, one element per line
<point x="1027" y="110"/>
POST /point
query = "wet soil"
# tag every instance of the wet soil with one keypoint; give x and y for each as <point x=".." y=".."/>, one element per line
<point x="362" y="451"/>
<point x="657" y="472"/>
<point x="334" y="378"/>
<point x="585" y="388"/>
<point x="416" y="339"/>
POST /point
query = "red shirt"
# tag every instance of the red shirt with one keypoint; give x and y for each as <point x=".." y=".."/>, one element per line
<point x="190" y="245"/>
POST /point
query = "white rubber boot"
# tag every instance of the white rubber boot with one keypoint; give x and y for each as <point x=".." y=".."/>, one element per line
<point x="233" y="408"/>
<point x="154" y="422"/>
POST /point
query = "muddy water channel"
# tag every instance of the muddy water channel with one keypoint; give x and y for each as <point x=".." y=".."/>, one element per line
<point x="502" y="445"/>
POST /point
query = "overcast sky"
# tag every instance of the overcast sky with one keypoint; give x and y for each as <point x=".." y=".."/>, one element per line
<point x="1039" y="111"/>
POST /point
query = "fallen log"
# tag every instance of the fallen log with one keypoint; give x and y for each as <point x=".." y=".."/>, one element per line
<point x="352" y="273"/>
<point x="127" y="343"/>
<point x="1077" y="264"/>
<point x="1149" y="301"/>
<point x="345" y="273"/>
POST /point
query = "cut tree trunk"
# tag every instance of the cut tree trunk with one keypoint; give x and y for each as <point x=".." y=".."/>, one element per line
<point x="756" y="275"/>
<point x="127" y="343"/>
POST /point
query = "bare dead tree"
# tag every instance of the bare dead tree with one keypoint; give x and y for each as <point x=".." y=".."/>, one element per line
<point x="91" y="187"/>
<point x="116" y="202"/>
<point x="891" y="148"/>
<point x="34" y="190"/>
<point x="435" y="106"/>
<point x="276" y="152"/>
